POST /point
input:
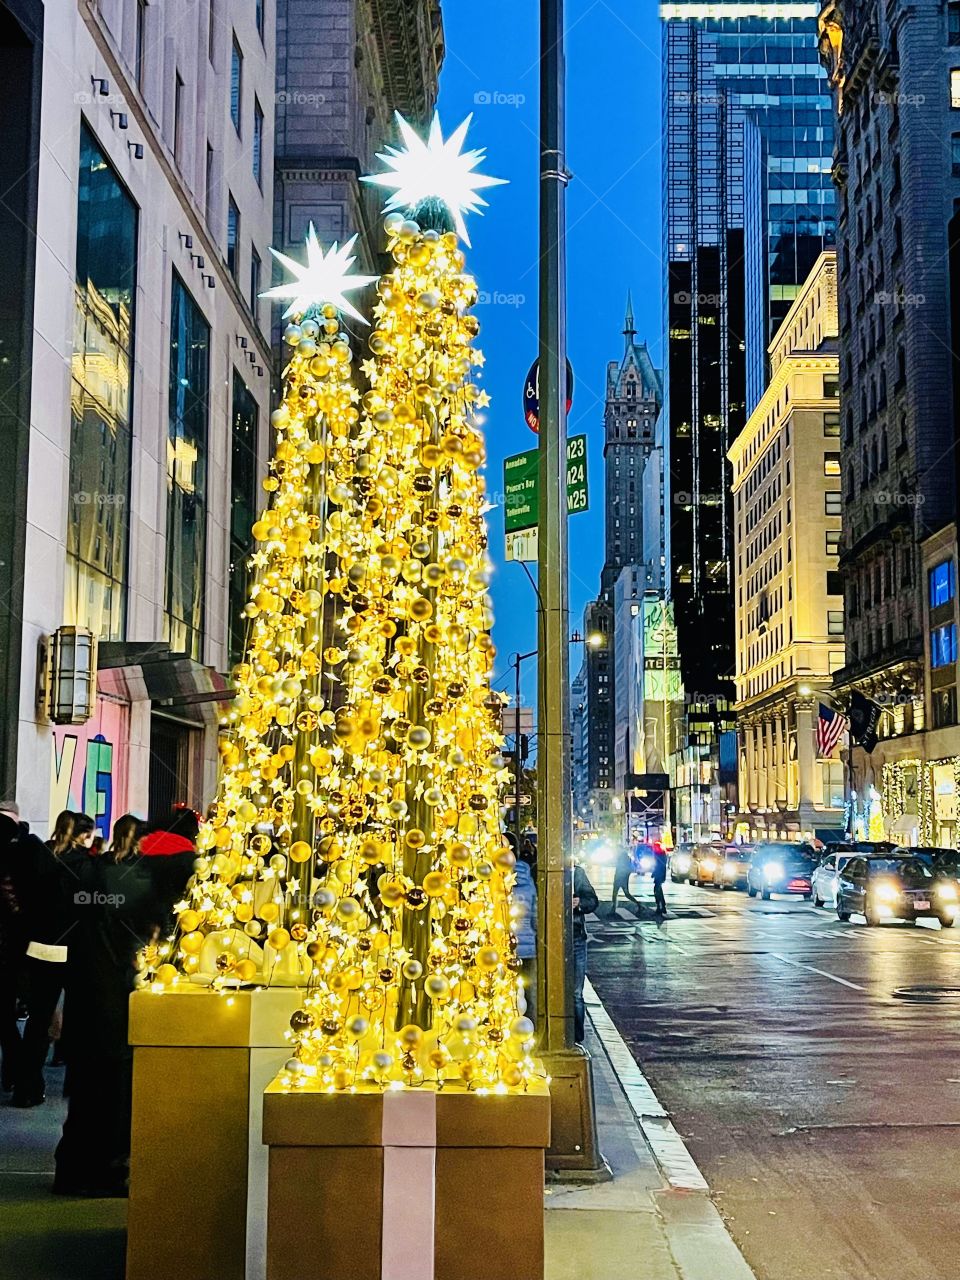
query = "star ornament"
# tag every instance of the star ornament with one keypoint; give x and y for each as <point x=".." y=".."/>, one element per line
<point x="325" y="278"/>
<point x="435" y="169"/>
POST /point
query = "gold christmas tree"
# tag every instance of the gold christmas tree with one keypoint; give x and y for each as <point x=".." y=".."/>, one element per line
<point x="246" y="915"/>
<point x="415" y="969"/>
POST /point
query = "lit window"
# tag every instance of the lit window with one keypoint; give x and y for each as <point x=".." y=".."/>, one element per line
<point x="942" y="584"/>
<point x="831" y="464"/>
<point x="943" y="645"/>
<point x="955" y="87"/>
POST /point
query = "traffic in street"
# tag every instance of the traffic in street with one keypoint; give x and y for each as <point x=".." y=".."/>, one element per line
<point x="811" y="1063"/>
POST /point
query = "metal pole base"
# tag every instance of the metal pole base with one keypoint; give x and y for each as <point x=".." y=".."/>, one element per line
<point x="573" y="1154"/>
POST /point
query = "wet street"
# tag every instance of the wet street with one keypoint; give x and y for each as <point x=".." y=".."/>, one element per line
<point x="812" y="1067"/>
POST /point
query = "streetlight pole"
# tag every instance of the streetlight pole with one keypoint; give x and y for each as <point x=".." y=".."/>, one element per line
<point x="574" y="1151"/>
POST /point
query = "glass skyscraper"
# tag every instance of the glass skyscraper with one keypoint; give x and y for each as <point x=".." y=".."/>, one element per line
<point x="748" y="207"/>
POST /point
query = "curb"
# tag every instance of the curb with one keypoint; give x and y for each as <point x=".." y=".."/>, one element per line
<point x="677" y="1165"/>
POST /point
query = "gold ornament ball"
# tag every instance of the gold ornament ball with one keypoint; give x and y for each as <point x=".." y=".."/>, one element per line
<point x="300" y="851"/>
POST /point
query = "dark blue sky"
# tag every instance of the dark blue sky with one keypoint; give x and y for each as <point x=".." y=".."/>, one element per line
<point x="613" y="150"/>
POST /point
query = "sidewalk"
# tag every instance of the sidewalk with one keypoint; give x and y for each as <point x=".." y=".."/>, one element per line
<point x="656" y="1217"/>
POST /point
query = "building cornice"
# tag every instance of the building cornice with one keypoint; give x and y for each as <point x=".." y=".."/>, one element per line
<point x="802" y="362"/>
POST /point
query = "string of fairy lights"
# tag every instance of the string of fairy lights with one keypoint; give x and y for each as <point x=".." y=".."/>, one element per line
<point x="355" y="845"/>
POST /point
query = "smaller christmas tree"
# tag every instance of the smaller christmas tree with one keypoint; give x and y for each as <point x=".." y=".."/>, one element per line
<point x="247" y="911"/>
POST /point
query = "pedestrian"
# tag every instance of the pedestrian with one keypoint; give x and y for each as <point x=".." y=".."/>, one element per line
<point x="46" y="890"/>
<point x="62" y="836"/>
<point x="117" y="911"/>
<point x="585" y="901"/>
<point x="660" y="861"/>
<point x="170" y="851"/>
<point x="623" y="870"/>
<point x="524" y="913"/>
<point x="20" y="856"/>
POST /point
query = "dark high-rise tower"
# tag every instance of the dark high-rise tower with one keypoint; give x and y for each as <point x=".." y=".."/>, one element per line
<point x="634" y="396"/>
<point x="748" y="207"/>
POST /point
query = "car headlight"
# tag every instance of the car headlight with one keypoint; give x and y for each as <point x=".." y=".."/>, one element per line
<point x="708" y="864"/>
<point x="683" y="863"/>
<point x="773" y="870"/>
<point x="886" y="891"/>
<point x="646" y="864"/>
<point x="948" y="892"/>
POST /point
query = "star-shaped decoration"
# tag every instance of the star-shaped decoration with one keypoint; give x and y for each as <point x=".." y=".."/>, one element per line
<point x="324" y="278"/>
<point x="435" y="169"/>
<point x="483" y="400"/>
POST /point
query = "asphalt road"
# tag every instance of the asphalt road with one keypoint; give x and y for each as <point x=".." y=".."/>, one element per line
<point x="819" y="1094"/>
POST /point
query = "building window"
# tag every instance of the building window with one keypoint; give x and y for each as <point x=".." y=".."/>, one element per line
<point x="243" y="507"/>
<point x="831" y="464"/>
<point x="831" y="503"/>
<point x="955" y="153"/>
<point x="944" y="707"/>
<point x="834" y="622"/>
<point x="233" y="237"/>
<point x="955" y="87"/>
<point x="943" y="645"/>
<point x="140" y="45"/>
<point x="189" y="391"/>
<point x="833" y="793"/>
<point x="211" y="29"/>
<point x="258" y="142"/>
<point x="178" y="118"/>
<point x="98" y="509"/>
<point x="236" y="83"/>
<point x="261" y="16"/>
<point x="255" y="272"/>
<point x="833" y="542"/>
<point x="953" y="21"/>
<point x="942" y="583"/>
<point x="831" y="424"/>
<point x="831" y="387"/>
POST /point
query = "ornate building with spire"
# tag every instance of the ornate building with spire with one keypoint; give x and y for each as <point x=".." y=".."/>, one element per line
<point x="633" y="399"/>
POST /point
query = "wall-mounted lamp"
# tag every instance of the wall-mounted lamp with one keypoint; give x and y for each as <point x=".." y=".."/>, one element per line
<point x="136" y="149"/>
<point x="209" y="282"/>
<point x="121" y="119"/>
<point x="185" y="239"/>
<point x="198" y="260"/>
<point x="68" y="675"/>
<point x="100" y="86"/>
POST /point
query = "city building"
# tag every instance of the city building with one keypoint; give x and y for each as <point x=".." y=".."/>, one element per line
<point x="343" y="68"/>
<point x="747" y="208"/>
<point x="632" y="406"/>
<point x="633" y="399"/>
<point x="895" y="76"/>
<point x="789" y="596"/>
<point x="138" y="153"/>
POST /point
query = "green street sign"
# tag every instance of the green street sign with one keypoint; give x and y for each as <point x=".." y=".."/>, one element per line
<point x="521" y="478"/>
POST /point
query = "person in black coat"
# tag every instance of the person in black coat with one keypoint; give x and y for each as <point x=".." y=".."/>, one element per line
<point x="585" y="901"/>
<point x="21" y="854"/>
<point x="117" y="910"/>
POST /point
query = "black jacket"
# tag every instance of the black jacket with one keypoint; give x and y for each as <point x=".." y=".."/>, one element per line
<point x="584" y="890"/>
<point x="34" y="887"/>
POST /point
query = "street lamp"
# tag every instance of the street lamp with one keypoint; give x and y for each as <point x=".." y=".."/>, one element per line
<point x="573" y="1149"/>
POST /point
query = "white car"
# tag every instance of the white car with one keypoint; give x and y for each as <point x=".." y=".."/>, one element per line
<point x="826" y="878"/>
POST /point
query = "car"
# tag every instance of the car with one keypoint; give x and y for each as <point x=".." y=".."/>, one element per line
<point x="735" y="867"/>
<point x="681" y="860"/>
<point x="780" y="867"/>
<point x="944" y="862"/>
<point x="826" y="877"/>
<point x="705" y="862"/>
<point x="880" y="887"/>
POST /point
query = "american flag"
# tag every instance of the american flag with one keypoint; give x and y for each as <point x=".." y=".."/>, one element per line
<point x="831" y="726"/>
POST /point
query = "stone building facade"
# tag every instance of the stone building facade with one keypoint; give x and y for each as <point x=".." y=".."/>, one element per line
<point x="789" y="599"/>
<point x="895" y="76"/>
<point x="343" y="68"/>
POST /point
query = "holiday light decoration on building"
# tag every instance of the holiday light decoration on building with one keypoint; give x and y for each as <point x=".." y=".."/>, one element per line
<point x="355" y="846"/>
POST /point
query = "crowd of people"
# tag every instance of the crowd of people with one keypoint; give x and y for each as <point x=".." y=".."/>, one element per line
<point x="74" y="914"/>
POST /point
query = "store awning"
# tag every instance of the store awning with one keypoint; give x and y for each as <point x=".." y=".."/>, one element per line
<point x="136" y="671"/>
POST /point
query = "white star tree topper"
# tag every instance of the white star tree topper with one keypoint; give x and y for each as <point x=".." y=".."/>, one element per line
<point x="435" y="169"/>
<point x="323" y="278"/>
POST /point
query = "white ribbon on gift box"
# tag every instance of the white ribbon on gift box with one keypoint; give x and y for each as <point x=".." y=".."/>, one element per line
<point x="409" y="1134"/>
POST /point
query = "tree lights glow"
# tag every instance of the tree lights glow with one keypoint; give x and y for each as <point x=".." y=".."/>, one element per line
<point x="355" y="846"/>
